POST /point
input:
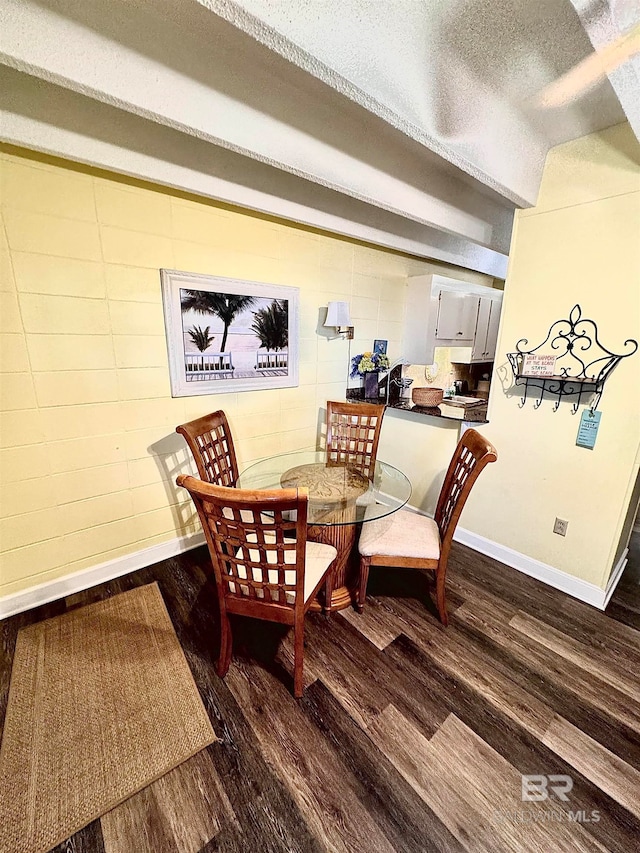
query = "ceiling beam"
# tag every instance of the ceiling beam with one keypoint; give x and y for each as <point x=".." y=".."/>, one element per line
<point x="199" y="75"/>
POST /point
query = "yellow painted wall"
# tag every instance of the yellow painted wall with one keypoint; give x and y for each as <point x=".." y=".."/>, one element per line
<point x="580" y="244"/>
<point x="89" y="455"/>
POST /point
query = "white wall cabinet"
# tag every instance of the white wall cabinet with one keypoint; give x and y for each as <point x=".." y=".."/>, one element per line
<point x="457" y="313"/>
<point x="479" y="350"/>
<point x="446" y="312"/>
<point x="486" y="333"/>
<point x="492" y="332"/>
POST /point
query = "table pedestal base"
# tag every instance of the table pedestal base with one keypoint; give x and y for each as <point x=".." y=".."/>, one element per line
<point x="335" y="490"/>
<point x="343" y="539"/>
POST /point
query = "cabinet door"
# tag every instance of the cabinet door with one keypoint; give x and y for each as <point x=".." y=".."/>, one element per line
<point x="492" y="332"/>
<point x="480" y="341"/>
<point x="457" y="313"/>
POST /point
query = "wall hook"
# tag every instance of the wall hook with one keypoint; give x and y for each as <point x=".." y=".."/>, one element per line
<point x="582" y="364"/>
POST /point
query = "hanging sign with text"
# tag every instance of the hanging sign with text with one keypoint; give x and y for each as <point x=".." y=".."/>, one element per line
<point x="588" y="429"/>
<point x="539" y="365"/>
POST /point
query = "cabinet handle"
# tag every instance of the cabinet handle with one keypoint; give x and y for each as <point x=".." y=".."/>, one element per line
<point x="461" y="333"/>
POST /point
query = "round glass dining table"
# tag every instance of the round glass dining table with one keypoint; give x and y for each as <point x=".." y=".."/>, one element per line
<point x="342" y="495"/>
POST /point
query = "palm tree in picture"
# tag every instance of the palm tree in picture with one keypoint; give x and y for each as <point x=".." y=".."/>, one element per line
<point x="224" y="305"/>
<point x="201" y="338"/>
<point x="271" y="325"/>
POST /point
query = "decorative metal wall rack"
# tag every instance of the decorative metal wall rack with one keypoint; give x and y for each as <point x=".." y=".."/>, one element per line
<point x="575" y="340"/>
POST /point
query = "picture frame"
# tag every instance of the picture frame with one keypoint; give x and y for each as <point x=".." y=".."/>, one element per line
<point x="226" y="335"/>
<point x="380" y="347"/>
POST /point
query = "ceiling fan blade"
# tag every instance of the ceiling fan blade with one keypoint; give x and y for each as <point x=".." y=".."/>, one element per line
<point x="589" y="72"/>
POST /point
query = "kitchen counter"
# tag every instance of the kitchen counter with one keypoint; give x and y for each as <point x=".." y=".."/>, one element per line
<point x="474" y="414"/>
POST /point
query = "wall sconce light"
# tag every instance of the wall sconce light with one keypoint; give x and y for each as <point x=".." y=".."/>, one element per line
<point x="338" y="316"/>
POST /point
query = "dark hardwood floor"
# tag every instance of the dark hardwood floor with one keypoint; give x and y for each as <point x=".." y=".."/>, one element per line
<point x="409" y="737"/>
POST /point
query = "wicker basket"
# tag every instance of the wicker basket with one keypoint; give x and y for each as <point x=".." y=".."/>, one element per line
<point x="427" y="396"/>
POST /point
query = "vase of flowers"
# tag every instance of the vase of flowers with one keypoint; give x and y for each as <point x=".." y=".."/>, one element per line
<point x="368" y="365"/>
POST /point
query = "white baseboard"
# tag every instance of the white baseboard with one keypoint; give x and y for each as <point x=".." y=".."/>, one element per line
<point x="580" y="589"/>
<point x="615" y="576"/>
<point x="576" y="587"/>
<point x="86" y="578"/>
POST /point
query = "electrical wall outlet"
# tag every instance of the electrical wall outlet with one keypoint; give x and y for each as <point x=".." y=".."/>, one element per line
<point x="560" y="527"/>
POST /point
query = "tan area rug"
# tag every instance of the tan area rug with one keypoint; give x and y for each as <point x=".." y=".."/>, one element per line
<point x="101" y="704"/>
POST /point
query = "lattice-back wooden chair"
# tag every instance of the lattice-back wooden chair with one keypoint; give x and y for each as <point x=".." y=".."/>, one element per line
<point x="406" y="539"/>
<point x="353" y="432"/>
<point x="263" y="564"/>
<point x="211" y="444"/>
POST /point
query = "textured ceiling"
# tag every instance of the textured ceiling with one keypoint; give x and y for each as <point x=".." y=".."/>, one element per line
<point x="416" y="57"/>
<point x="403" y="122"/>
<point x="456" y="75"/>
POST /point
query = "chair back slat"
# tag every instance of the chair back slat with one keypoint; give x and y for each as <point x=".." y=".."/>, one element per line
<point x="256" y="541"/>
<point x="471" y="455"/>
<point x="211" y="444"/>
<point x="353" y="433"/>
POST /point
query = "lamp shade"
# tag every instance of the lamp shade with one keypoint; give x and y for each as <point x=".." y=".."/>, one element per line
<point x="338" y="314"/>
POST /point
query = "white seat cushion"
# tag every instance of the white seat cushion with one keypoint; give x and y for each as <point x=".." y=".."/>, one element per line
<point x="401" y="534"/>
<point x="318" y="558"/>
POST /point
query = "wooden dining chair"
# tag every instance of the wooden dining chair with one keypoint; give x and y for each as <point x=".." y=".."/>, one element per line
<point x="263" y="564"/>
<point x="406" y="539"/>
<point x="211" y="444"/>
<point x="353" y="433"/>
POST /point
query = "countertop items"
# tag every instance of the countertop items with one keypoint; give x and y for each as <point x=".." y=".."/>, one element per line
<point x="476" y="414"/>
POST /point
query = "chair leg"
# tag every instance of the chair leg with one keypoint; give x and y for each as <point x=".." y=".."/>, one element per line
<point x="226" y="646"/>
<point x="440" y="597"/>
<point x="298" y="660"/>
<point x="365" y="563"/>
<point x="328" y="593"/>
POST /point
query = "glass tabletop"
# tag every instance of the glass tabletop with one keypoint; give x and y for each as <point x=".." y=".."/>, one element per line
<point x="339" y="493"/>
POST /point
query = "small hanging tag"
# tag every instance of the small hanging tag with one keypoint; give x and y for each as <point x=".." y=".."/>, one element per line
<point x="588" y="429"/>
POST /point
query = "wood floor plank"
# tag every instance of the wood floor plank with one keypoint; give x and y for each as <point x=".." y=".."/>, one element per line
<point x="391" y="801"/>
<point x="556" y="669"/>
<point x="355" y="672"/>
<point x="87" y="840"/>
<point x="473" y="790"/>
<point x="591" y="660"/>
<point x="590" y="758"/>
<point x="494" y="787"/>
<point x="410" y="753"/>
<point x="177" y="814"/>
<point x="617" y="829"/>
<point x="372" y="624"/>
<point x="485" y="581"/>
<point x="457" y="654"/>
<point x="572" y="704"/>
<point x="306" y="777"/>
<point x="360" y="677"/>
<point x="266" y="813"/>
<point x="315" y="777"/>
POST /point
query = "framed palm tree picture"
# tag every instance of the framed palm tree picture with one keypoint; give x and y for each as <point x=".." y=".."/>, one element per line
<point x="226" y="334"/>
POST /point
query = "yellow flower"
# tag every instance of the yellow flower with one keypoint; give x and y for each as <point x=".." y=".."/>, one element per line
<point x="367" y="354"/>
